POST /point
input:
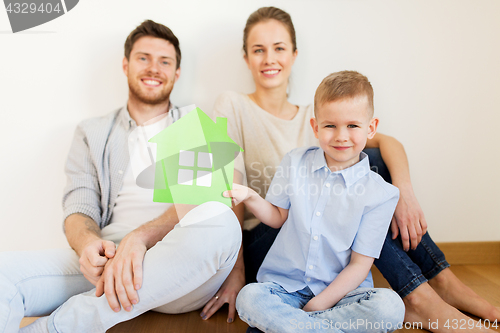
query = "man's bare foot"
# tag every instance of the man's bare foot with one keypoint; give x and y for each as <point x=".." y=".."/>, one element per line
<point x="458" y="295"/>
<point x="425" y="306"/>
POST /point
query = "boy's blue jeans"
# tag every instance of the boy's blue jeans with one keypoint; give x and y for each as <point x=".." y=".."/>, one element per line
<point x="404" y="271"/>
<point x="270" y="308"/>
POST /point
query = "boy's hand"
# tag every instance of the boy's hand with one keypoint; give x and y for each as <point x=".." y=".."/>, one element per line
<point x="239" y="193"/>
<point x="408" y="220"/>
<point x="314" y="304"/>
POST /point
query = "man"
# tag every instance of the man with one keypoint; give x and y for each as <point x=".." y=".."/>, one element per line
<point x="174" y="263"/>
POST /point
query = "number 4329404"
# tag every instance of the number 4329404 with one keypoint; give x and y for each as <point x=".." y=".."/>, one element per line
<point x="25" y="8"/>
<point x="463" y="324"/>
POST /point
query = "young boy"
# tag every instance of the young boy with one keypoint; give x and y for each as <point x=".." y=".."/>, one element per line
<point x="334" y="213"/>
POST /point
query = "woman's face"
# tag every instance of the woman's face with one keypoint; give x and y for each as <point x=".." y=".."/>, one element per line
<point x="270" y="54"/>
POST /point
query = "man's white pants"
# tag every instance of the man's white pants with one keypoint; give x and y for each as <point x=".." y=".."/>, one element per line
<point x="181" y="273"/>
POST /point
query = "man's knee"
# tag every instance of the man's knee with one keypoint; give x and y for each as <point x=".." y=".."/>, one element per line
<point x="8" y="281"/>
<point x="7" y="287"/>
<point x="9" y="266"/>
<point x="217" y="215"/>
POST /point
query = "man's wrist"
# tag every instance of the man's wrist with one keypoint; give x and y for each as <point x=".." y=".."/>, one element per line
<point x="89" y="238"/>
<point x="142" y="236"/>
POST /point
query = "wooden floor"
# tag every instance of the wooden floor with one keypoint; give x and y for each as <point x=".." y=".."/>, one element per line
<point x="483" y="279"/>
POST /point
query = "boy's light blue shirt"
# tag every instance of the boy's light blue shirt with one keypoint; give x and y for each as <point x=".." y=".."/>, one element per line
<point x="330" y="214"/>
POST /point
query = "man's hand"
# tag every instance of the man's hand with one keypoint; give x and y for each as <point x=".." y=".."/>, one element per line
<point x="408" y="220"/>
<point x="94" y="257"/>
<point x="84" y="236"/>
<point x="122" y="275"/>
<point x="226" y="294"/>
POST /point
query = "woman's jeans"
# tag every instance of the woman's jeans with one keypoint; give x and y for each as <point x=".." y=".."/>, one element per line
<point x="270" y="308"/>
<point x="404" y="271"/>
<point x="180" y="274"/>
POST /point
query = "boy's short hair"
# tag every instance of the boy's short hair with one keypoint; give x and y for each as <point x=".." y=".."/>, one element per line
<point x="340" y="85"/>
<point x="153" y="29"/>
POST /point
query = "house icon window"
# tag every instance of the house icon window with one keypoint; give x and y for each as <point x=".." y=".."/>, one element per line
<point x="195" y="168"/>
<point x="194" y="160"/>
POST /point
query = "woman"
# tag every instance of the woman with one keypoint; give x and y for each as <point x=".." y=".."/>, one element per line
<point x="267" y="126"/>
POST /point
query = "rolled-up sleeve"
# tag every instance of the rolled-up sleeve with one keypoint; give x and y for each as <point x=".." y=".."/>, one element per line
<point x="374" y="225"/>
<point x="82" y="193"/>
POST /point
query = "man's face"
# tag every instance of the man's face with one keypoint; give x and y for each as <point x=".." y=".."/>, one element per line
<point x="151" y="70"/>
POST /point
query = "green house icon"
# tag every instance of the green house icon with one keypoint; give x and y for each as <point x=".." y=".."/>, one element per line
<point x="194" y="160"/>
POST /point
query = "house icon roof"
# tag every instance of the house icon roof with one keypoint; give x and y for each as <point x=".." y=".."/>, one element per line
<point x="194" y="160"/>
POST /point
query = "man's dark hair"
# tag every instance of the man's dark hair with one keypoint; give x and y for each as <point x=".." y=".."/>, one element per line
<point x="153" y="29"/>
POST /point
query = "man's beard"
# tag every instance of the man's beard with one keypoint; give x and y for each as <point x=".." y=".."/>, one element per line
<point x="159" y="98"/>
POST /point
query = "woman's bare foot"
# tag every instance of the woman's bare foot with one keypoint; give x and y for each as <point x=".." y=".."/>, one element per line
<point x="425" y="306"/>
<point x="458" y="295"/>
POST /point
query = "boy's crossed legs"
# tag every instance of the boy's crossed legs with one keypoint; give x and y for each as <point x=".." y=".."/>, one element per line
<point x="270" y="308"/>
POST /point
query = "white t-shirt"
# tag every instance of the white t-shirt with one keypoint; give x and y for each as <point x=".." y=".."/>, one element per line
<point x="264" y="137"/>
<point x="134" y="205"/>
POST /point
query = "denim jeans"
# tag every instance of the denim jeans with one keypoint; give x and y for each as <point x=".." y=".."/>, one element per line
<point x="270" y="308"/>
<point x="404" y="271"/>
<point x="180" y="274"/>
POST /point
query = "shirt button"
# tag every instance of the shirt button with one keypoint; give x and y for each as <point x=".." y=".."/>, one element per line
<point x="327" y="184"/>
<point x="318" y="213"/>
<point x="308" y="279"/>
<point x="311" y="266"/>
<point x="315" y="238"/>
<point x="120" y="172"/>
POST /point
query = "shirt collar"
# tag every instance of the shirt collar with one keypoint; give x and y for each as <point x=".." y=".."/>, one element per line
<point x="351" y="175"/>
<point x="125" y="119"/>
<point x="128" y="122"/>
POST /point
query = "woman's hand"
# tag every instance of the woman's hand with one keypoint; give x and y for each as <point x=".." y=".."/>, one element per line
<point x="226" y="294"/>
<point x="408" y="220"/>
<point x="239" y="193"/>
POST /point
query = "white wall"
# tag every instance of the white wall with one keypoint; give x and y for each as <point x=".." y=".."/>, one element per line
<point x="435" y="67"/>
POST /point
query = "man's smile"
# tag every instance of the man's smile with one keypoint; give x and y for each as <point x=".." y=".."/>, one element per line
<point x="151" y="82"/>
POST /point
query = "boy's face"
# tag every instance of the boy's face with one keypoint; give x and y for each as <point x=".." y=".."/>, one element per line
<point x="343" y="127"/>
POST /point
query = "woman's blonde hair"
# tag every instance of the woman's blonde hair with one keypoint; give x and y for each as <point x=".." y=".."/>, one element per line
<point x="264" y="14"/>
